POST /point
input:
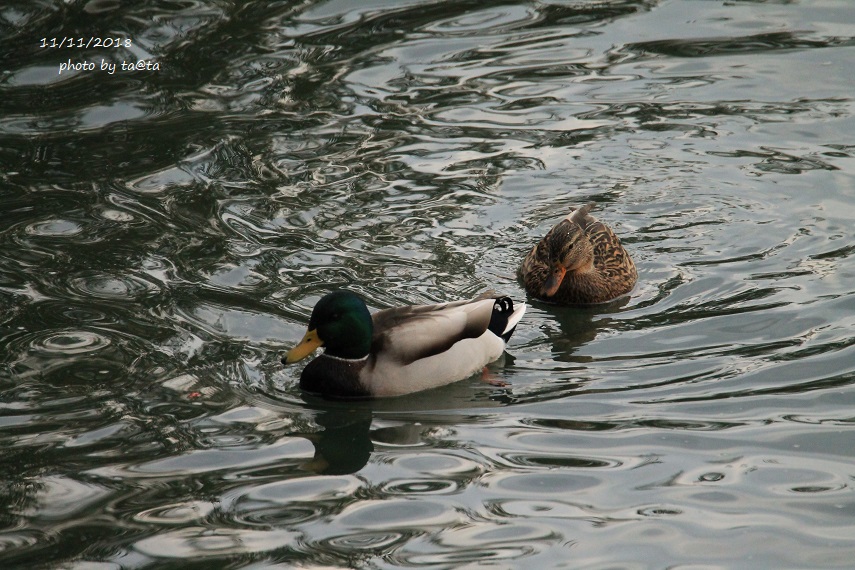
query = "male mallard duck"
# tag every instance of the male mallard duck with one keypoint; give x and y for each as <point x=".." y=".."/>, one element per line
<point x="400" y="350"/>
<point x="579" y="261"/>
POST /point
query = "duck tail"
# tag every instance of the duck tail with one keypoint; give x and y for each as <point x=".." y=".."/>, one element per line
<point x="505" y="317"/>
<point x="578" y="215"/>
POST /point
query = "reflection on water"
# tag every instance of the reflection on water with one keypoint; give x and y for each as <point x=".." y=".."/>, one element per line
<point x="166" y="233"/>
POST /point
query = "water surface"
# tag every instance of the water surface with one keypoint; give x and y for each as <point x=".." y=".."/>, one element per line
<point x="165" y="234"/>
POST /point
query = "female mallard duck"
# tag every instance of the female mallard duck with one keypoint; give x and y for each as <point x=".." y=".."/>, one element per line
<point x="401" y="350"/>
<point x="579" y="261"/>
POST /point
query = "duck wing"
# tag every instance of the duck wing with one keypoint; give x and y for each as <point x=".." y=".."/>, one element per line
<point x="610" y="257"/>
<point x="407" y="334"/>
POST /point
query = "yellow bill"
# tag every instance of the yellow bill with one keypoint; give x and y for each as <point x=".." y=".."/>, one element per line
<point x="307" y="346"/>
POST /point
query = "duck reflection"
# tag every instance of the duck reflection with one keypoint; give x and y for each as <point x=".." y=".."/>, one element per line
<point x="346" y="441"/>
<point x="344" y="445"/>
<point x="571" y="327"/>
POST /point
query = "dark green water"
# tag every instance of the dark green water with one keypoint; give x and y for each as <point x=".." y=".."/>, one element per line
<point x="165" y="232"/>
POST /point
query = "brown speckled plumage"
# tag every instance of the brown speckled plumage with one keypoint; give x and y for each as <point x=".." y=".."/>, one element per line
<point x="581" y="260"/>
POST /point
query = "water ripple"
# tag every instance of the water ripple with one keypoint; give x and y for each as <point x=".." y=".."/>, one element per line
<point x="706" y="47"/>
<point x="112" y="287"/>
<point x="69" y="342"/>
<point x="208" y="460"/>
<point x="398" y="513"/>
<point x="176" y="514"/>
<point x="54" y="228"/>
<point x="368" y="542"/>
<point x="481" y="542"/>
<point x="192" y="543"/>
<point x="13" y="541"/>
<point x="420" y="487"/>
<point x="311" y="490"/>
